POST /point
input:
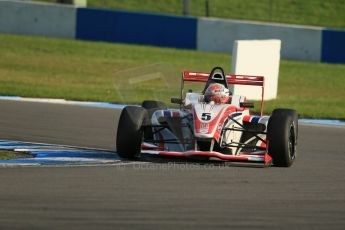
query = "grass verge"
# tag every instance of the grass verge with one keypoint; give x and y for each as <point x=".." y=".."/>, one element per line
<point x="7" y="155"/>
<point x="79" y="70"/>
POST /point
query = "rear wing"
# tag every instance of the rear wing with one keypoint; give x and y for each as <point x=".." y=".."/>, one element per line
<point x="232" y="79"/>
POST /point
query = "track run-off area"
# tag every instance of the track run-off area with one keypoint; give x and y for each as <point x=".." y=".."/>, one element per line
<point x="156" y="193"/>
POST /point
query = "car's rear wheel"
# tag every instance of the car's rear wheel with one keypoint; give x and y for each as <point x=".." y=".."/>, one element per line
<point x="151" y="106"/>
<point x="130" y="131"/>
<point x="282" y="136"/>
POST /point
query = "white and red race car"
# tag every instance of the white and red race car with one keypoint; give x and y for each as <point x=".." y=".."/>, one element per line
<point x="210" y="129"/>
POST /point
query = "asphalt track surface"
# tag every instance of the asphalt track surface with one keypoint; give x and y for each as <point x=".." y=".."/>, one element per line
<point x="58" y="124"/>
<point x="164" y="194"/>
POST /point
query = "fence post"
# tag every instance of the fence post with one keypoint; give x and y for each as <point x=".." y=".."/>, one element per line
<point x="185" y="7"/>
<point x="207" y="9"/>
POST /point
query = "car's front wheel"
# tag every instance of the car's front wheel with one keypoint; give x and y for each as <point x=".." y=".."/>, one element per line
<point x="282" y="137"/>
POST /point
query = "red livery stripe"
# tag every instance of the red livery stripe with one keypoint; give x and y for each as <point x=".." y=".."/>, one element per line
<point x="175" y="114"/>
<point x="246" y="118"/>
<point x="268" y="159"/>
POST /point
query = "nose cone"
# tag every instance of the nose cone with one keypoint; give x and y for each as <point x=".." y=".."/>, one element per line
<point x="206" y="119"/>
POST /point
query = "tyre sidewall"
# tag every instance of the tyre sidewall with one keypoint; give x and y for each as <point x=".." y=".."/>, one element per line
<point x="130" y="132"/>
<point x="279" y="127"/>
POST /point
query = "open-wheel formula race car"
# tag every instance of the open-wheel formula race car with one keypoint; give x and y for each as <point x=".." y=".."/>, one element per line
<point x="212" y="124"/>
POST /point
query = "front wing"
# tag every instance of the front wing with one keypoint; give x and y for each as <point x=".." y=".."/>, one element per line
<point x="250" y="157"/>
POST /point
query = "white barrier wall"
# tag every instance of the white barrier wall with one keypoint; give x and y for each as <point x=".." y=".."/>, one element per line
<point x="80" y="3"/>
<point x="298" y="42"/>
<point x="52" y="20"/>
<point x="258" y="58"/>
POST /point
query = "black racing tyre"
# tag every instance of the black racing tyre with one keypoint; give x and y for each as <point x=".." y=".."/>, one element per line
<point x="293" y="113"/>
<point x="130" y="131"/>
<point x="282" y="136"/>
<point x="149" y="104"/>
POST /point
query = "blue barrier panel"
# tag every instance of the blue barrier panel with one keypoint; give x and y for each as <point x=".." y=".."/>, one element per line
<point x="333" y="46"/>
<point x="136" y="28"/>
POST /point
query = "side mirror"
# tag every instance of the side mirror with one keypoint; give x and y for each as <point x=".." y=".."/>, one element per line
<point x="176" y="101"/>
<point x="246" y="104"/>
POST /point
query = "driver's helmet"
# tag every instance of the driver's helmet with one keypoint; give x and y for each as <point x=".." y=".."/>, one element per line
<point x="217" y="93"/>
